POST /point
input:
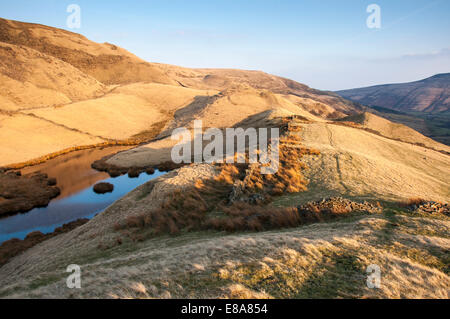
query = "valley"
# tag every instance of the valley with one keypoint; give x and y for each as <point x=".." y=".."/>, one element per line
<point x="422" y="105"/>
<point x="354" y="187"/>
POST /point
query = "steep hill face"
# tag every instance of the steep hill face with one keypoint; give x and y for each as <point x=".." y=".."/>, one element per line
<point x="31" y="79"/>
<point x="430" y="95"/>
<point x="105" y="62"/>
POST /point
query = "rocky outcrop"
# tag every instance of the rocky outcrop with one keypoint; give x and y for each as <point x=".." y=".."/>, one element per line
<point x="340" y="205"/>
<point x="430" y="207"/>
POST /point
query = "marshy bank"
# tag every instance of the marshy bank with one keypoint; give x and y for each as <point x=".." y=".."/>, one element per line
<point x="19" y="194"/>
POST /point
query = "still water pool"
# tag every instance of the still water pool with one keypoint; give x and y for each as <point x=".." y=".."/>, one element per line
<point x="70" y="205"/>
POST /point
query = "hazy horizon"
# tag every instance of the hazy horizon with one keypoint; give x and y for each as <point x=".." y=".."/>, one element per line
<point x="325" y="45"/>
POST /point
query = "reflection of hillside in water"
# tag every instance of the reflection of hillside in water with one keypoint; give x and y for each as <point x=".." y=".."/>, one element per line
<point x="73" y="171"/>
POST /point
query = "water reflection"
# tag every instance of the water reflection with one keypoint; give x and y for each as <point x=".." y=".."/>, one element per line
<point x="73" y="171"/>
<point x="71" y="205"/>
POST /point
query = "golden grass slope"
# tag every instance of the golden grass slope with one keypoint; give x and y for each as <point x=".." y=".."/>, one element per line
<point x="221" y="79"/>
<point x="121" y="114"/>
<point x="355" y="162"/>
<point x="326" y="260"/>
<point x="125" y="112"/>
<point x="105" y="62"/>
<point x="394" y="130"/>
<point x="24" y="137"/>
<point x="163" y="97"/>
<point x="228" y="108"/>
<point x="102" y="116"/>
<point x="32" y="79"/>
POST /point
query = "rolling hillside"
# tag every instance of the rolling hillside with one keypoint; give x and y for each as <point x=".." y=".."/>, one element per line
<point x="69" y="92"/>
<point x="348" y="194"/>
<point x="325" y="260"/>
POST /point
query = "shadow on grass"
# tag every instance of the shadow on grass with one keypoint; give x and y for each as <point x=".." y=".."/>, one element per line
<point x="341" y="276"/>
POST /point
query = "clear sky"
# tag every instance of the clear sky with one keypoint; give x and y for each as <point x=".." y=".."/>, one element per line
<point x="324" y="44"/>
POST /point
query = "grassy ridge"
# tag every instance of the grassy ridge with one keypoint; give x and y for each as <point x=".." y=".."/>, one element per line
<point x="432" y="125"/>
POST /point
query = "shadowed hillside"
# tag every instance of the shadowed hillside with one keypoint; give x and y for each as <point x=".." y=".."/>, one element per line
<point x="422" y="105"/>
<point x="428" y="95"/>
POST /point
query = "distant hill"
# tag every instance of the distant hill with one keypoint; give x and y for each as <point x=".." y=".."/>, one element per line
<point x="430" y="95"/>
<point x="422" y="105"/>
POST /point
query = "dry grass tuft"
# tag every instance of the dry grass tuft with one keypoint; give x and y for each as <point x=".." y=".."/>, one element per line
<point x="237" y="291"/>
<point x="289" y="178"/>
<point x="245" y="217"/>
<point x="228" y="174"/>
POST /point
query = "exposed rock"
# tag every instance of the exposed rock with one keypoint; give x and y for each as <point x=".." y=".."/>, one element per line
<point x="340" y="205"/>
<point x="431" y="207"/>
<point x="237" y="192"/>
<point x="238" y="195"/>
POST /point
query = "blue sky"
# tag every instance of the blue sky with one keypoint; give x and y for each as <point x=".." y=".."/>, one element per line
<point x="324" y="44"/>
